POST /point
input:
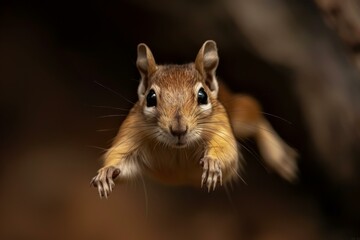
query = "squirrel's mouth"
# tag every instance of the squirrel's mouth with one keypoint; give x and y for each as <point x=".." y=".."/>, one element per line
<point x="180" y="142"/>
<point x="180" y="145"/>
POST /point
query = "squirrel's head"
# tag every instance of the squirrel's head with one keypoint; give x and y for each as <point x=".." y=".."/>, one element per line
<point x="177" y="101"/>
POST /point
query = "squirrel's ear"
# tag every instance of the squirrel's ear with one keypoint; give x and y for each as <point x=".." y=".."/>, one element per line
<point x="146" y="65"/>
<point x="206" y="63"/>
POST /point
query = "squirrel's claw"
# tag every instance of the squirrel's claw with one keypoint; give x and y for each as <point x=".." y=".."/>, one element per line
<point x="211" y="173"/>
<point x="104" y="180"/>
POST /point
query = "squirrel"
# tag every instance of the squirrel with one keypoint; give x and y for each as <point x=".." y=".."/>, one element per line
<point x="183" y="129"/>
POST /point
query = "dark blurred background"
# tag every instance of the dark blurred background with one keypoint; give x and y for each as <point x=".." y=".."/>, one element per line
<point x="66" y="66"/>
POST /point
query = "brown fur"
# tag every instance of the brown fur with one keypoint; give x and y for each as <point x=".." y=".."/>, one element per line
<point x="145" y="145"/>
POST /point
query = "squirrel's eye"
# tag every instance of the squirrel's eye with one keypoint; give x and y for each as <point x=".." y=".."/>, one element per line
<point x="202" y="96"/>
<point x="151" y="99"/>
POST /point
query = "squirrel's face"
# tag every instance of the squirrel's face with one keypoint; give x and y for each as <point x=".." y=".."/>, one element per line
<point x="177" y="104"/>
<point x="177" y="101"/>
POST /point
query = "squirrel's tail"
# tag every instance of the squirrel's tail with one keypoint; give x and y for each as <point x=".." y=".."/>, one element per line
<point x="247" y="120"/>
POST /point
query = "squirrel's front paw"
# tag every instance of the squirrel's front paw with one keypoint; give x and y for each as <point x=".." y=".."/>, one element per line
<point x="104" y="180"/>
<point x="211" y="172"/>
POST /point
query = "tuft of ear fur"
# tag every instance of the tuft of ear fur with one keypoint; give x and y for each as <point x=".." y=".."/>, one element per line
<point x="206" y="63"/>
<point x="146" y="65"/>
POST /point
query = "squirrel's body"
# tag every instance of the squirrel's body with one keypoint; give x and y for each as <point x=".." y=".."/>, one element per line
<point x="179" y="132"/>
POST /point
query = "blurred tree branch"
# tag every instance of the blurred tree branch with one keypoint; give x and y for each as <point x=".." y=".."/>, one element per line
<point x="344" y="17"/>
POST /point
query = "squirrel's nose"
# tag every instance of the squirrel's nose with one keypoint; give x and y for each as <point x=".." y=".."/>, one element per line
<point x="178" y="131"/>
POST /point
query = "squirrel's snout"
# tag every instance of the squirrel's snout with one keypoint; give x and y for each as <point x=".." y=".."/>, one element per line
<point x="179" y="130"/>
